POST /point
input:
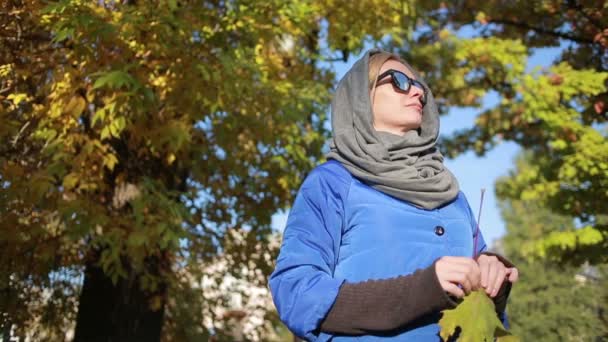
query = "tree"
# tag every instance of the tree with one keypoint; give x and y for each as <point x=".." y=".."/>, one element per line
<point x="551" y="302"/>
<point x="140" y="133"/>
<point x="470" y="49"/>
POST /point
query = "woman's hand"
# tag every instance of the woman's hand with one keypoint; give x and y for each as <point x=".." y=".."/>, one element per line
<point x="454" y="271"/>
<point x="494" y="273"/>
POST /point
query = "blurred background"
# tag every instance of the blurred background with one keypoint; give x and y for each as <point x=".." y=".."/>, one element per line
<point x="150" y="151"/>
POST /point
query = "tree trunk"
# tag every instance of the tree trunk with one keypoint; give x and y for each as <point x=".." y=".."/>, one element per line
<point x="121" y="312"/>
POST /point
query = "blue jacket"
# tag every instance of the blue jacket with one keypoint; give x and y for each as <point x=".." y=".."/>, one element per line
<point x="342" y="230"/>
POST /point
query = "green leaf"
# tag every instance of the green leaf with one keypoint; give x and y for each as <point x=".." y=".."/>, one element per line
<point x="70" y="181"/>
<point x="507" y="338"/>
<point x="477" y="319"/>
<point x="115" y="80"/>
<point x="99" y="115"/>
<point x="172" y="4"/>
<point x="63" y="34"/>
<point x="137" y="238"/>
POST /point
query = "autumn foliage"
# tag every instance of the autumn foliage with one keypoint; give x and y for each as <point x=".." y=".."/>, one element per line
<point x="137" y="134"/>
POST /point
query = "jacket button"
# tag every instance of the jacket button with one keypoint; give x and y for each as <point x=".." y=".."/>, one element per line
<point x="439" y="230"/>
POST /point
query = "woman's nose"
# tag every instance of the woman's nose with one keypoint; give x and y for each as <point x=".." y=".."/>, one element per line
<point x="416" y="92"/>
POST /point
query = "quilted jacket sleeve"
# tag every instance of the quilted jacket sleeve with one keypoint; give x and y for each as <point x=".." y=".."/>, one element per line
<point x="302" y="285"/>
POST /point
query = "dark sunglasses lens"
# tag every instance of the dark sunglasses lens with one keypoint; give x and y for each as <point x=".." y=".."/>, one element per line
<point x="401" y="81"/>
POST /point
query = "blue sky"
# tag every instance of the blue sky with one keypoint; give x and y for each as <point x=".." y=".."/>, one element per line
<point x="473" y="172"/>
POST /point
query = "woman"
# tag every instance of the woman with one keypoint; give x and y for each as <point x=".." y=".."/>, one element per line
<point x="380" y="239"/>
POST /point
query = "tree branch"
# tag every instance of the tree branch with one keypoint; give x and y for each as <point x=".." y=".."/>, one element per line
<point x="573" y="4"/>
<point x="527" y="26"/>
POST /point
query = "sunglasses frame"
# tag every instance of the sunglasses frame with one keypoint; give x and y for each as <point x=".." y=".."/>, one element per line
<point x="410" y="82"/>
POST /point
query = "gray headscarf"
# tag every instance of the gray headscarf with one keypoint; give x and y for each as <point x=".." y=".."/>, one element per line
<point x="408" y="167"/>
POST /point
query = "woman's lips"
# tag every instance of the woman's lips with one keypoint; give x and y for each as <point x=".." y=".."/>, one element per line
<point x="416" y="105"/>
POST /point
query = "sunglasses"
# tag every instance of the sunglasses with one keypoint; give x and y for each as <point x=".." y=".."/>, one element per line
<point x="403" y="82"/>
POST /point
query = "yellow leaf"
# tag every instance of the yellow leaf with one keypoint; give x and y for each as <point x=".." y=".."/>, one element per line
<point x="5" y="69"/>
<point x="75" y="106"/>
<point x="109" y="161"/>
<point x="17" y="98"/>
<point x="105" y="132"/>
<point x="170" y="158"/>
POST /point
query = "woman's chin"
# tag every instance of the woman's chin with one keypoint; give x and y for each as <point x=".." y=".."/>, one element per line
<point x="413" y="124"/>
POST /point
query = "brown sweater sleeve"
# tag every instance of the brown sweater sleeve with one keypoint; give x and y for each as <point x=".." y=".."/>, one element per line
<point x="381" y="305"/>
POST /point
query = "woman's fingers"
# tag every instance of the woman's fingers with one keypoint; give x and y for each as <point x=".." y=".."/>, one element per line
<point x="462" y="279"/>
<point x="484" y="271"/>
<point x="491" y="280"/>
<point x="513" y="274"/>
<point x="470" y="267"/>
<point x="466" y="274"/>
<point x="462" y="272"/>
<point x="460" y="260"/>
<point x="475" y="274"/>
<point x="453" y="290"/>
<point x="500" y="278"/>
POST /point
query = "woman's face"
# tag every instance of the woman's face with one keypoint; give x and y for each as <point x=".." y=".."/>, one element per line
<point x="396" y="111"/>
